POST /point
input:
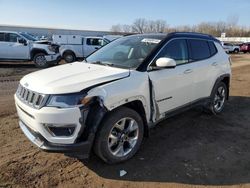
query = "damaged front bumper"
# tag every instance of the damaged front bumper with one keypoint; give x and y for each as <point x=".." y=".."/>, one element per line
<point x="80" y="149"/>
<point x="53" y="58"/>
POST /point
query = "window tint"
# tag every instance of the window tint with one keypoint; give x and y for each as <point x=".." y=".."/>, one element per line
<point x="1" y="37"/>
<point x="177" y="50"/>
<point x="213" y="49"/>
<point x="94" y="42"/>
<point x="11" y="37"/>
<point x="199" y="50"/>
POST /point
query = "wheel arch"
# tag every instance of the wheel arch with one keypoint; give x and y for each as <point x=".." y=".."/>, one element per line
<point x="35" y="51"/>
<point x="225" y="78"/>
<point x="68" y="51"/>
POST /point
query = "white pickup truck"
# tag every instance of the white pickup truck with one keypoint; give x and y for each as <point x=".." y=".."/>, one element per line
<point x="76" y="46"/>
<point x="19" y="46"/>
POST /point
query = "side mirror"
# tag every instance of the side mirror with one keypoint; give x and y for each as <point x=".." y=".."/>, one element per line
<point x="22" y="41"/>
<point x="165" y="62"/>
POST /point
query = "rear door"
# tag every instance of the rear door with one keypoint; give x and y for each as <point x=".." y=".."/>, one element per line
<point x="203" y="56"/>
<point x="173" y="87"/>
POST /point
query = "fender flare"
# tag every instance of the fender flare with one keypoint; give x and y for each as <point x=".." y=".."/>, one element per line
<point x="218" y="80"/>
<point x="34" y="51"/>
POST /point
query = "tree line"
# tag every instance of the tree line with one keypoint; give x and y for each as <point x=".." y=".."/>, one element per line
<point x="141" y="25"/>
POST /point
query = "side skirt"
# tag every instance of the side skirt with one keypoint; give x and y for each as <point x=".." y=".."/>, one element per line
<point x="178" y="110"/>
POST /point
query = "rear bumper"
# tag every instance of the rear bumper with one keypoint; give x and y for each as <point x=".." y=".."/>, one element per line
<point x="81" y="149"/>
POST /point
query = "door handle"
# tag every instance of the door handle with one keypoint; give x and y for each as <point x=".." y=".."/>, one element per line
<point x="214" y="64"/>
<point x="188" y="71"/>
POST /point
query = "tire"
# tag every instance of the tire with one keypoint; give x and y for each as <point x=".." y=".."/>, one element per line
<point x="69" y="57"/>
<point x="236" y="51"/>
<point x="218" y="98"/>
<point x="112" y="143"/>
<point x="40" y="60"/>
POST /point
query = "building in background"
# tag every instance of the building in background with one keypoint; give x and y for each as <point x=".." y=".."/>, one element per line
<point x="48" y="32"/>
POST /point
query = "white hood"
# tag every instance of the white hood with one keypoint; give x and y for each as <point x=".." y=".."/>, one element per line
<point x="71" y="78"/>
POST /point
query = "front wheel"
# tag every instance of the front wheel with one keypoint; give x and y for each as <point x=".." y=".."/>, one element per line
<point x="120" y="136"/>
<point x="218" y="98"/>
<point x="40" y="60"/>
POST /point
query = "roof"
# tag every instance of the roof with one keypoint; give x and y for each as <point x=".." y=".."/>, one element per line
<point x="193" y="35"/>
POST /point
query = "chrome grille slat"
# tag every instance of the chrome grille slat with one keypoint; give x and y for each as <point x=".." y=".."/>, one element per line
<point x="31" y="98"/>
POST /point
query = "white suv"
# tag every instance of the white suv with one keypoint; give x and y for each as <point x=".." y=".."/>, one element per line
<point x="109" y="101"/>
<point x="19" y="46"/>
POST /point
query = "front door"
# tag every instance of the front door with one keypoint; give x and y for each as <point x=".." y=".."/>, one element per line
<point x="14" y="49"/>
<point x="173" y="87"/>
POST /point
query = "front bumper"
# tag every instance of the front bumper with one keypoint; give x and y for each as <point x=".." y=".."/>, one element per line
<point x="81" y="149"/>
<point x="53" y="58"/>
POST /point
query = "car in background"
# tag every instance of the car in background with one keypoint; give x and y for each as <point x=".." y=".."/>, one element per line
<point x="73" y="47"/>
<point x="245" y="47"/>
<point x="231" y="48"/>
<point x="21" y="46"/>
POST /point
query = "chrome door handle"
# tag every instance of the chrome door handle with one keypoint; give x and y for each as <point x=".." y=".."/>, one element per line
<point x="188" y="71"/>
<point x="214" y="64"/>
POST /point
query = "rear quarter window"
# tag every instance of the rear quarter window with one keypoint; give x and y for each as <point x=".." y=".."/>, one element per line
<point x="212" y="47"/>
<point x="199" y="49"/>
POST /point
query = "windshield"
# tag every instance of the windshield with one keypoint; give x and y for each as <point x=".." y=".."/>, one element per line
<point x="28" y="36"/>
<point x="126" y="52"/>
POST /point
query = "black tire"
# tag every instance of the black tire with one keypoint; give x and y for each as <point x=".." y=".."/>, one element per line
<point x="69" y="57"/>
<point x="214" y="98"/>
<point x="101" y="145"/>
<point x="40" y="60"/>
<point x="236" y="51"/>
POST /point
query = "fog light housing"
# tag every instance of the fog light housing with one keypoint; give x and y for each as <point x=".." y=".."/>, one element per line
<point x="60" y="130"/>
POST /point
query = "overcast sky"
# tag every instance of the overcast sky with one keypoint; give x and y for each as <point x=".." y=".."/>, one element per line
<point x="101" y="15"/>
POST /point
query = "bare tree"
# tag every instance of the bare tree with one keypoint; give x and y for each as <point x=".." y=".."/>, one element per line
<point x="142" y="25"/>
<point x="139" y="25"/>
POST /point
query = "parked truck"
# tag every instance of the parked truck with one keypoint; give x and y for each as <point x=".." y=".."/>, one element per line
<point x="75" y="47"/>
<point x="20" y="46"/>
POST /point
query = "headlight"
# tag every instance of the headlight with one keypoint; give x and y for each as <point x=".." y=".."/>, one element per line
<point x="68" y="100"/>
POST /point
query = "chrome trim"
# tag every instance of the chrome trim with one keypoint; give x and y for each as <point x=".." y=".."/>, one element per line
<point x="178" y="38"/>
<point x="31" y="98"/>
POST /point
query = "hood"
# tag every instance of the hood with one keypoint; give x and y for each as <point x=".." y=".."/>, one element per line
<point x="42" y="42"/>
<point x="70" y="78"/>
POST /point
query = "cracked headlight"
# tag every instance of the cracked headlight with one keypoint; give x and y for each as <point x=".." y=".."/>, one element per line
<point x="68" y="100"/>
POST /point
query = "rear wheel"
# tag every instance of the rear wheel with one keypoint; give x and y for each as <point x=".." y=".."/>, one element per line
<point x="69" y="57"/>
<point x="120" y="136"/>
<point x="218" y="98"/>
<point x="40" y="60"/>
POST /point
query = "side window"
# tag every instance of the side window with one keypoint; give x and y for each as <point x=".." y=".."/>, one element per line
<point x="212" y="47"/>
<point x="1" y="37"/>
<point x="199" y="50"/>
<point x="94" y="42"/>
<point x="11" y="37"/>
<point x="177" y="50"/>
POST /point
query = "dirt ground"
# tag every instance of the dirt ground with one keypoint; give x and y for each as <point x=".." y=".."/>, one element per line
<point x="192" y="149"/>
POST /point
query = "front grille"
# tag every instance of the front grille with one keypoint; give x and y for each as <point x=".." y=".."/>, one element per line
<point x="31" y="98"/>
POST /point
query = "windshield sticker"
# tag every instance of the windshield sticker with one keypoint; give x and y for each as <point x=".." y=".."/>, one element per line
<point x="155" y="41"/>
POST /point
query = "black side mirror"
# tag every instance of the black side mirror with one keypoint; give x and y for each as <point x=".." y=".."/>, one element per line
<point x="22" y="41"/>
